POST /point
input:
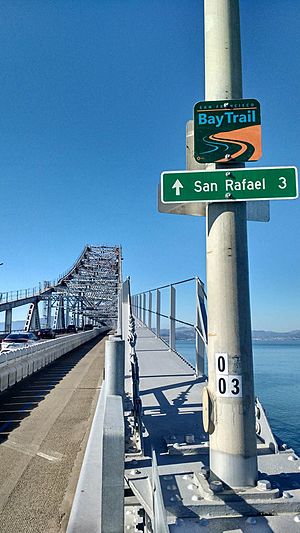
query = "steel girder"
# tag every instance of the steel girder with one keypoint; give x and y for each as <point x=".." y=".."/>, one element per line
<point x="91" y="286"/>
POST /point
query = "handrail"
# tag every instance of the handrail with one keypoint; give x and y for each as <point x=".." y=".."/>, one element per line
<point x="145" y="312"/>
<point x="166" y="286"/>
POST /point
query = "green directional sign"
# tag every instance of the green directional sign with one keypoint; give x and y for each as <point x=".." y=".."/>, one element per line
<point x="279" y="183"/>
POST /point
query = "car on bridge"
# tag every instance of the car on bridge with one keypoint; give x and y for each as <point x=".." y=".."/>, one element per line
<point x="13" y="341"/>
<point x="46" y="333"/>
<point x="71" y="328"/>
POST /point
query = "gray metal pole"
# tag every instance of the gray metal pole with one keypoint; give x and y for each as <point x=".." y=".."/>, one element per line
<point x="157" y="312"/>
<point x="114" y="366"/>
<point x="200" y="346"/>
<point x="140" y="307"/>
<point x="144" y="308"/>
<point x="233" y="455"/>
<point x="150" y="310"/>
<point x="172" y="323"/>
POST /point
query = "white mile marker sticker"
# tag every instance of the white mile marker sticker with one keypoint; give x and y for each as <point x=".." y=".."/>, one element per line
<point x="227" y="385"/>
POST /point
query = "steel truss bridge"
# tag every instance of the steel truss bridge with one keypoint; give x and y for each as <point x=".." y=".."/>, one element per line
<point x="86" y="294"/>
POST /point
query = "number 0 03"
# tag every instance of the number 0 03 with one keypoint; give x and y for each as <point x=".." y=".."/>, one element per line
<point x="230" y="386"/>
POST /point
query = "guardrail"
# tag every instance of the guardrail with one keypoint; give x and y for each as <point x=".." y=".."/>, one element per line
<point x="16" y="365"/>
<point x="99" y="499"/>
<point x="146" y="306"/>
<point x="22" y="294"/>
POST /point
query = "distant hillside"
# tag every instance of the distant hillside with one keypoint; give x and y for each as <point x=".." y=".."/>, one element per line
<point x="276" y="337"/>
<point x="186" y="333"/>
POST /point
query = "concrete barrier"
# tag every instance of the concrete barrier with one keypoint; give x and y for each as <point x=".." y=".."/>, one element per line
<point x="98" y="505"/>
<point x="112" y="467"/>
<point x="16" y="365"/>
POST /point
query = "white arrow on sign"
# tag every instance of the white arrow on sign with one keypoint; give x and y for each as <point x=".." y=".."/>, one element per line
<point x="177" y="185"/>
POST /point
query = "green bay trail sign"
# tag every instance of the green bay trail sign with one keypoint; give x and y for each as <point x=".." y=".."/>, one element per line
<point x="280" y="183"/>
<point x="227" y="130"/>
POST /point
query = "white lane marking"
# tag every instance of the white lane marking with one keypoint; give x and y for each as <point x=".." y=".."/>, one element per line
<point x="27" y="450"/>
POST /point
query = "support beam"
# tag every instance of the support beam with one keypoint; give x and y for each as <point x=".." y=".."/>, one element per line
<point x="8" y="320"/>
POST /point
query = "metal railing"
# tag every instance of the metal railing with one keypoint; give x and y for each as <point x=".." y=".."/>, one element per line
<point x="148" y="305"/>
<point x="12" y="296"/>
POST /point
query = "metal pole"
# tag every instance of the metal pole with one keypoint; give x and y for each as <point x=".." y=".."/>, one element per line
<point x="172" y="342"/>
<point x="157" y="312"/>
<point x="114" y="366"/>
<point x="144" y="308"/>
<point x="150" y="311"/>
<point x="200" y="346"/>
<point x="140" y="306"/>
<point x="231" y="420"/>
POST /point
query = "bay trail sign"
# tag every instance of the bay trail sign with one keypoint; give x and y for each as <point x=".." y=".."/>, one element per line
<point x="227" y="130"/>
<point x="280" y="183"/>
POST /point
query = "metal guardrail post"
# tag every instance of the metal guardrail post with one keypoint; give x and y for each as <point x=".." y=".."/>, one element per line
<point x="172" y="317"/>
<point x="114" y="366"/>
<point x="200" y="327"/>
<point x="141" y="308"/>
<point x="158" y="300"/>
<point x="150" y="310"/>
<point x="144" y="308"/>
<point x="136" y="305"/>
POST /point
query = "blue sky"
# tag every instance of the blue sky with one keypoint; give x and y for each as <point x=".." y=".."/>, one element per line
<point x="94" y="100"/>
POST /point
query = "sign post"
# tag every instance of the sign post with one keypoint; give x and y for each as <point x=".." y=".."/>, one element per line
<point x="230" y="405"/>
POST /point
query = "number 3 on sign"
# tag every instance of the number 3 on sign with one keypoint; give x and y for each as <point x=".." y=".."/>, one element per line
<point x="229" y="386"/>
<point x="283" y="183"/>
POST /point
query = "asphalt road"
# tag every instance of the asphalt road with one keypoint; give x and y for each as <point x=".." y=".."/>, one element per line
<point x="44" y="426"/>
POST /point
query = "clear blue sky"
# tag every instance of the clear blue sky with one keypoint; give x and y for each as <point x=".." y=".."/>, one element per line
<point x="94" y="98"/>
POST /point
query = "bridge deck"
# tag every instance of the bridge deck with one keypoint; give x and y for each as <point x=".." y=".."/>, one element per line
<point x="168" y="390"/>
<point x="172" y="405"/>
<point x="44" y="422"/>
<point x="171" y="398"/>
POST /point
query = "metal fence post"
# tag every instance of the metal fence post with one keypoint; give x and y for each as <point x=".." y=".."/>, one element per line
<point x="157" y="312"/>
<point x="172" y="317"/>
<point x="140" y="307"/>
<point x="144" y="307"/>
<point x="150" y="310"/>
<point x="201" y="327"/>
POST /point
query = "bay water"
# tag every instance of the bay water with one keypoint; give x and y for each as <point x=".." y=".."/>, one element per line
<point x="277" y="385"/>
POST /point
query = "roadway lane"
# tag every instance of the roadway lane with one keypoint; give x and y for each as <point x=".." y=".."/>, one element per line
<point x="44" y="426"/>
